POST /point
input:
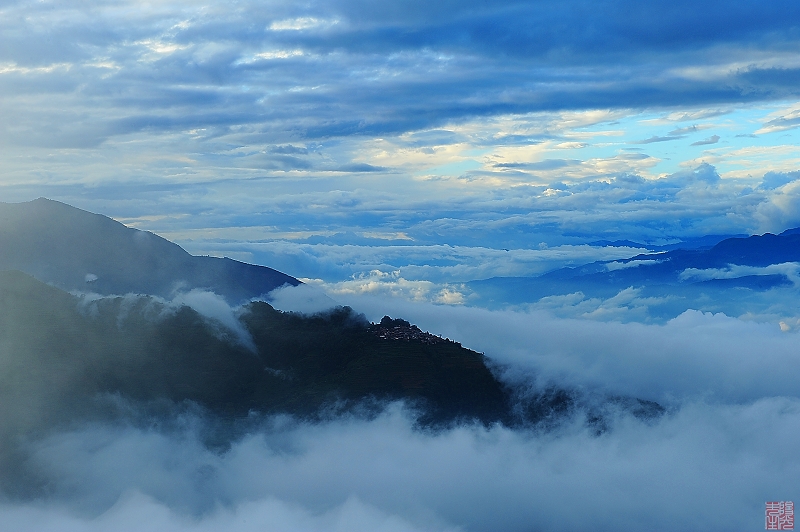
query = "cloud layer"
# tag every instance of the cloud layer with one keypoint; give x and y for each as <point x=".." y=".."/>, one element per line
<point x="496" y="125"/>
<point x="725" y="444"/>
<point x="335" y="69"/>
<point x="706" y="467"/>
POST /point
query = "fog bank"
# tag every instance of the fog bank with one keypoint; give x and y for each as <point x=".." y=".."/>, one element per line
<point x="706" y="467"/>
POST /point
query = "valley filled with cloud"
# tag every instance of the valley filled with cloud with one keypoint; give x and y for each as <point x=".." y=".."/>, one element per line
<point x="725" y="441"/>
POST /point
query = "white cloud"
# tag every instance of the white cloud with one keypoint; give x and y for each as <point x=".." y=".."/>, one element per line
<point x="733" y="271"/>
<point x="301" y="23"/>
<point x="13" y="68"/>
<point x="726" y="444"/>
<point x="272" y="54"/>
<point x="305" y="298"/>
<point x="615" y="265"/>
<point x="211" y="306"/>
<point x="704" y="467"/>
<point x="392" y="284"/>
<point x="421" y="264"/>
<point x="781" y="120"/>
<point x="214" y="307"/>
<point x="161" y="47"/>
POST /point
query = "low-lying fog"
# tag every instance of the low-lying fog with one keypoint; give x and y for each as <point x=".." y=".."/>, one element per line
<point x="727" y="443"/>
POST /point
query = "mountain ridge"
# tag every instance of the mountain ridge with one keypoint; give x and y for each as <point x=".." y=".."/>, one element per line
<point x="680" y="273"/>
<point x="78" y="250"/>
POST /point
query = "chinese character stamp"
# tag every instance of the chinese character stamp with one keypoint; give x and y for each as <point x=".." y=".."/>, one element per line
<point x="779" y="515"/>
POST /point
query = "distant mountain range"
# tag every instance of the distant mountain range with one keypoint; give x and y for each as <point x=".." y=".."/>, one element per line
<point x="755" y="263"/>
<point x="701" y="242"/>
<point x="77" y="250"/>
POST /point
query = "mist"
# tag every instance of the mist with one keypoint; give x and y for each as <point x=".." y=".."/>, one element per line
<point x="701" y="468"/>
<point x="725" y="444"/>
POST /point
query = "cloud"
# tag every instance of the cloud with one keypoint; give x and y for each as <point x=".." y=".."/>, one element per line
<point x="211" y="306"/>
<point x="305" y="298"/>
<point x="444" y="122"/>
<point x="681" y="131"/>
<point x="346" y="70"/>
<point x="448" y="232"/>
<point x="353" y="266"/>
<point x="696" y="354"/>
<point x="726" y="443"/>
<point x="733" y="271"/>
<point x="705" y="467"/>
<point x="550" y="164"/>
<point x="785" y="119"/>
<point x="392" y="284"/>
<point x="616" y="265"/>
<point x="773" y="180"/>
<point x="627" y="305"/>
<point x="300" y="23"/>
<point x="214" y="307"/>
<point x="713" y="139"/>
<point x="659" y="139"/>
<point x="267" y="514"/>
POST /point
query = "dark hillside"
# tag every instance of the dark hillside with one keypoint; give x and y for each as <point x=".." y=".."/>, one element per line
<point x="78" y="250"/>
<point x="59" y="352"/>
<point x="66" y="360"/>
<point x="337" y="356"/>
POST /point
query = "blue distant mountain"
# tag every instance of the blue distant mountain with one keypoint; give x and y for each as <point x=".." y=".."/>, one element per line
<point x="687" y="274"/>
<point x="76" y="250"/>
<point x="702" y="242"/>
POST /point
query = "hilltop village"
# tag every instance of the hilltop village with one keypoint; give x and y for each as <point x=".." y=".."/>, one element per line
<point x="398" y="329"/>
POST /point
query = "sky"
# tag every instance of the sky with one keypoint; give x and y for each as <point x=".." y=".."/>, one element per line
<point x="348" y="140"/>
<point x="388" y="152"/>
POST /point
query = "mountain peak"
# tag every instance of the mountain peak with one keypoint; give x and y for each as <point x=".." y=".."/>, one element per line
<point x="70" y="247"/>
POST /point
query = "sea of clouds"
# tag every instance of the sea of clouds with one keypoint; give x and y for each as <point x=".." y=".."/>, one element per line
<point x="726" y="443"/>
<point x="463" y="135"/>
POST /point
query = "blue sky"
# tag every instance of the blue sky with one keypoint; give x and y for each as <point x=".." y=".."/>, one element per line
<point x="351" y="140"/>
